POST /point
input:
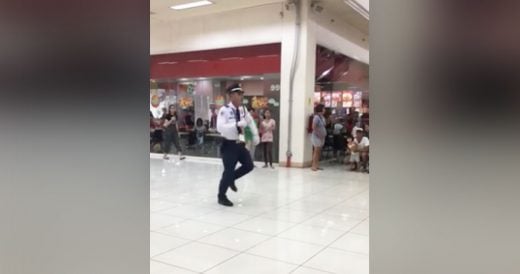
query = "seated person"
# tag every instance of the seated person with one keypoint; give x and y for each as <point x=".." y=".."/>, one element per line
<point x="156" y="134"/>
<point x="355" y="129"/>
<point x="359" y="148"/>
<point x="200" y="129"/>
<point x="348" y="151"/>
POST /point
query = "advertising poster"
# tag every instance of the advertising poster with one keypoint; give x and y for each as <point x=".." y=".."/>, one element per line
<point x="259" y="102"/>
<point x="185" y="102"/>
<point x="347" y="99"/>
<point x="327" y="97"/>
<point x="317" y="97"/>
<point x="336" y="99"/>
<point x="219" y="101"/>
<point x="358" y="99"/>
<point x="157" y="102"/>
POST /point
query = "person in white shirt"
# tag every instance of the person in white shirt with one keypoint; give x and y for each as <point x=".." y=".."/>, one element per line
<point x="359" y="147"/>
<point x="354" y="131"/>
<point x="231" y="121"/>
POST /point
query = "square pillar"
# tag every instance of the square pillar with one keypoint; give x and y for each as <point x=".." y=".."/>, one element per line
<point x="303" y="89"/>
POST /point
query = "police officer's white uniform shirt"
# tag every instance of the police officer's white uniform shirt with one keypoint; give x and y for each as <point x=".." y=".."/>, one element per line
<point x="227" y="124"/>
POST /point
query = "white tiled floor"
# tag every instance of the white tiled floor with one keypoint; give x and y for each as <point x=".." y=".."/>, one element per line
<point x="289" y="251"/>
<point x="160" y="268"/>
<point x="235" y="239"/>
<point x="160" y="243"/>
<point x="284" y="221"/>
<point x="245" y="263"/>
<point x="338" y="261"/>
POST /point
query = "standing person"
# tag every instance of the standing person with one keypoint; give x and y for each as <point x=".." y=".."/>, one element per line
<point x="339" y="140"/>
<point x="352" y="119"/>
<point x="268" y="126"/>
<point x="188" y="120"/>
<point x="310" y="121"/>
<point x="250" y="144"/>
<point x="213" y="118"/>
<point x="319" y="133"/>
<point x="231" y="121"/>
<point x="171" y="133"/>
<point x="254" y="115"/>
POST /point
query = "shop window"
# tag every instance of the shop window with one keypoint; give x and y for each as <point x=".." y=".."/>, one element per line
<point x="198" y="101"/>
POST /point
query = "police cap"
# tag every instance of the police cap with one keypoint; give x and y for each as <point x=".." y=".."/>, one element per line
<point x="234" y="88"/>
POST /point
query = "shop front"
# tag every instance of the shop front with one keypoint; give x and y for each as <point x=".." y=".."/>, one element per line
<point x="195" y="83"/>
<point x="342" y="87"/>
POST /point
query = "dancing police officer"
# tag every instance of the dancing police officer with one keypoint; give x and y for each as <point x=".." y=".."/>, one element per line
<point x="231" y="121"/>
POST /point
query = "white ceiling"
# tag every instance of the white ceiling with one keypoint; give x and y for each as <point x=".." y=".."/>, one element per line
<point x="345" y="12"/>
<point x="160" y="10"/>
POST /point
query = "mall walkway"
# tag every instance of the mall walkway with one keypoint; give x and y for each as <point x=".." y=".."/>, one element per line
<point x="284" y="221"/>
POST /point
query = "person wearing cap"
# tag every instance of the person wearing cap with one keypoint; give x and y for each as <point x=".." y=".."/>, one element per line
<point x="232" y="120"/>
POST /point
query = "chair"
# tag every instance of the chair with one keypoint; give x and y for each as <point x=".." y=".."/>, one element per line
<point x="327" y="151"/>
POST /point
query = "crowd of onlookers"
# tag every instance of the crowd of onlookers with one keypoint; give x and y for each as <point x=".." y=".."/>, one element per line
<point x="347" y="136"/>
<point x="166" y="130"/>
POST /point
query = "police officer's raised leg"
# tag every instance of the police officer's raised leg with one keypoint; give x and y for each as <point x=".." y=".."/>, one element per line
<point x="246" y="164"/>
<point x="230" y="156"/>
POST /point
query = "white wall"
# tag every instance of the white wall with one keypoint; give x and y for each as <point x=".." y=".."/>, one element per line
<point x="252" y="26"/>
<point x="334" y="33"/>
<point x="262" y="25"/>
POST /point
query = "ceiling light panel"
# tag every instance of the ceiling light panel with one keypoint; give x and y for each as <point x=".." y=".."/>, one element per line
<point x="191" y="5"/>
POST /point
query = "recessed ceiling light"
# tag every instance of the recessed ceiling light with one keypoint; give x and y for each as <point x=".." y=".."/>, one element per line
<point x="325" y="73"/>
<point x="268" y="56"/>
<point x="191" y="5"/>
<point x="231" y="58"/>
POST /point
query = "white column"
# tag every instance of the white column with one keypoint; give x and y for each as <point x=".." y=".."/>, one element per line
<point x="303" y="86"/>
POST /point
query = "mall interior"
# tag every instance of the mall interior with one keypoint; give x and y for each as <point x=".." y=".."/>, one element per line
<point x="289" y="57"/>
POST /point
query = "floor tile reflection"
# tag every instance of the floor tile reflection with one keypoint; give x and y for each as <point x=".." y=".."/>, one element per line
<point x="284" y="221"/>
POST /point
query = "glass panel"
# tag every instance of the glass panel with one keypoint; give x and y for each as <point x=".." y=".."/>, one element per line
<point x="198" y="101"/>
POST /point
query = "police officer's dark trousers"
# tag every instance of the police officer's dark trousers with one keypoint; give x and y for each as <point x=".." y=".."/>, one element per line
<point x="233" y="152"/>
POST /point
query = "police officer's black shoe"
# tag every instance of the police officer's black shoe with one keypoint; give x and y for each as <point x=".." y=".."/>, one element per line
<point x="233" y="187"/>
<point x="224" y="201"/>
